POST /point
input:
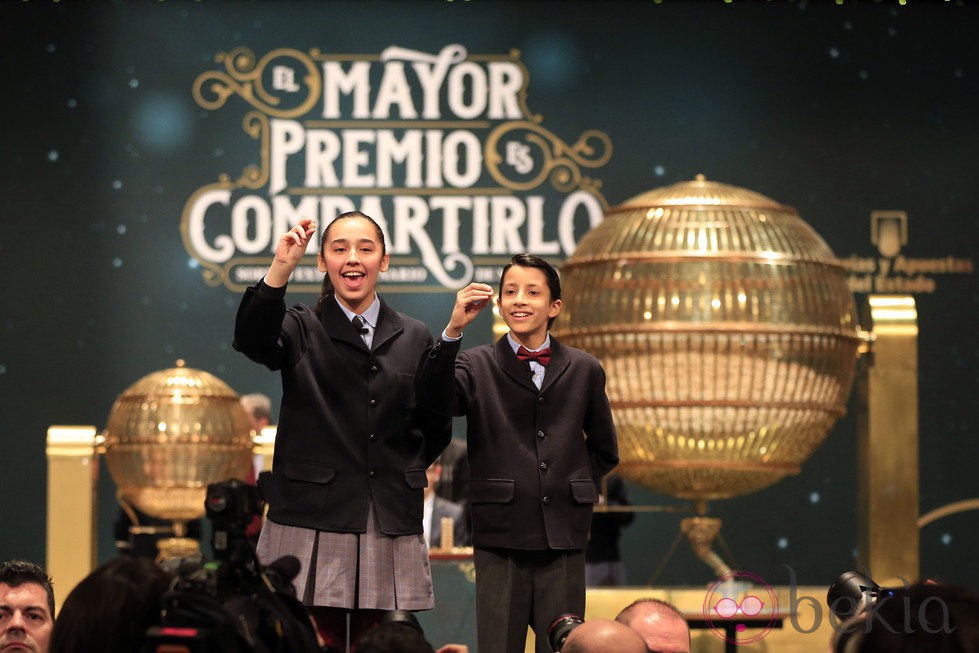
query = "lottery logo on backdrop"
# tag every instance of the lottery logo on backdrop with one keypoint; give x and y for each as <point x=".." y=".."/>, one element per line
<point x="440" y="148"/>
<point x="737" y="602"/>
<point x="894" y="271"/>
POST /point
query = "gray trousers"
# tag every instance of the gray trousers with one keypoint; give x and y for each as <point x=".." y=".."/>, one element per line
<point x="516" y="589"/>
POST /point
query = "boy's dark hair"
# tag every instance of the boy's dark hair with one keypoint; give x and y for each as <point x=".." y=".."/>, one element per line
<point x="17" y="572"/>
<point x="530" y="261"/>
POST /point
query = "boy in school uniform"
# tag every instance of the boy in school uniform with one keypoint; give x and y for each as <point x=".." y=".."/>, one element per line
<point x="539" y="435"/>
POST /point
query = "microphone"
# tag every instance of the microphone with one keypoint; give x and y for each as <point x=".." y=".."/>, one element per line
<point x="282" y="572"/>
<point x="287" y="567"/>
<point x="358" y="323"/>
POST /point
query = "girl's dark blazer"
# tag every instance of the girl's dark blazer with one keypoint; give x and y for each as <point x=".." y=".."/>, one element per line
<point x="534" y="455"/>
<point x="350" y="428"/>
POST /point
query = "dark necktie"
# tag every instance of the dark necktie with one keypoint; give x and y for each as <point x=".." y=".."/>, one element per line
<point x="360" y="325"/>
<point x="542" y="356"/>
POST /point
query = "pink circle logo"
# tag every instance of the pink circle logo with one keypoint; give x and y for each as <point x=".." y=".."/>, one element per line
<point x="737" y="601"/>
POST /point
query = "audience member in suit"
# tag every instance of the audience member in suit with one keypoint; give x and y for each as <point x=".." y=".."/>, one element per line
<point x="603" y="560"/>
<point x="661" y="625"/>
<point x="259" y="409"/>
<point x="436" y="508"/>
<point x="454" y="484"/>
<point x="539" y="435"/>
<point x="26" y="607"/>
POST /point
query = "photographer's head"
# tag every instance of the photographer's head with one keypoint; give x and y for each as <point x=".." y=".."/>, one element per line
<point x="393" y="637"/>
<point x="924" y="617"/>
<point x="603" y="636"/>
<point x="659" y="623"/>
<point x="111" y="608"/>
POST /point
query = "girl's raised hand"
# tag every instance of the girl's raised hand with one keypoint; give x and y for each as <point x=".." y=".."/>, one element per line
<point x="292" y="244"/>
<point x="289" y="250"/>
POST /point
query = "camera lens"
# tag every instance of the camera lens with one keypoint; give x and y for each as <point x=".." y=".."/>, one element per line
<point x="217" y="502"/>
<point x="850" y="594"/>
<point x="561" y="628"/>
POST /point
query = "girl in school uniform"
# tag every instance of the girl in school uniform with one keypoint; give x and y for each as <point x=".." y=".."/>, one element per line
<point x="353" y="441"/>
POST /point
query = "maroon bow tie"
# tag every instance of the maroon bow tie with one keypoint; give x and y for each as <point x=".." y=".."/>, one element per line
<point x="542" y="356"/>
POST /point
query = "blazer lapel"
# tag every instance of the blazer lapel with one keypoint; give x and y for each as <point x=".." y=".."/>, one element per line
<point x="389" y="325"/>
<point x="339" y="327"/>
<point x="560" y="361"/>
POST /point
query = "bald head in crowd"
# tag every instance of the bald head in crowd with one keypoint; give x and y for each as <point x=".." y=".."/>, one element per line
<point x="603" y="636"/>
<point x="662" y="626"/>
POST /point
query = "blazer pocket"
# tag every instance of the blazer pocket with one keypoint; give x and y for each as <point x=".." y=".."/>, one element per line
<point x="416" y="478"/>
<point x="308" y="472"/>
<point x="306" y="486"/>
<point x="583" y="490"/>
<point x="497" y="490"/>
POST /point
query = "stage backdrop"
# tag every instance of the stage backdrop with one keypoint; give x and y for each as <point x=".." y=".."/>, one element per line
<point x="153" y="151"/>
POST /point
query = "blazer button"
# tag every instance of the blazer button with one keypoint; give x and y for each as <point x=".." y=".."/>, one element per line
<point x="373" y="369"/>
<point x="540" y="435"/>
<point x="372" y="436"/>
<point x="546" y="500"/>
<point x="373" y="402"/>
<point x="540" y="399"/>
<point x="372" y="473"/>
<point x="543" y="466"/>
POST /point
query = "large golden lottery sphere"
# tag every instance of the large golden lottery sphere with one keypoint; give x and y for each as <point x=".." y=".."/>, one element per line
<point x="172" y="433"/>
<point x="727" y="330"/>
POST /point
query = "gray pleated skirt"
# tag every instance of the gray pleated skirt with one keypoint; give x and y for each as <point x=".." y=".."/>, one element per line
<point x="353" y="570"/>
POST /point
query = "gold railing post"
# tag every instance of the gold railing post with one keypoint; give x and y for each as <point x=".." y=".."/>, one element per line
<point x="263" y="444"/>
<point x="887" y="450"/>
<point x="72" y="513"/>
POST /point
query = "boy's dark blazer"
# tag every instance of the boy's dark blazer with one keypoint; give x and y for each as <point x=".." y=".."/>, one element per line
<point x="534" y="455"/>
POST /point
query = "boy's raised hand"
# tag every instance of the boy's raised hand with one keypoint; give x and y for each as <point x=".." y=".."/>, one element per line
<point x="469" y="302"/>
